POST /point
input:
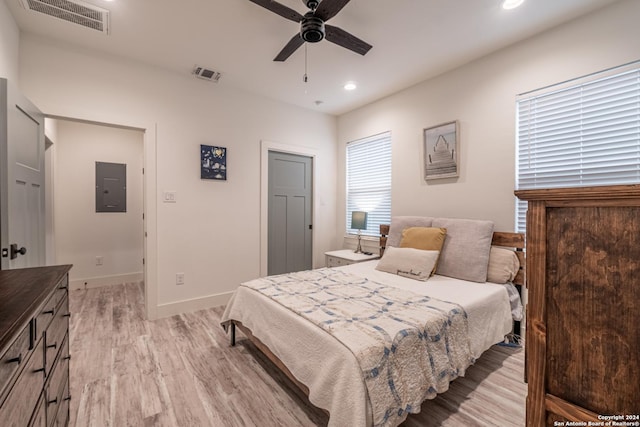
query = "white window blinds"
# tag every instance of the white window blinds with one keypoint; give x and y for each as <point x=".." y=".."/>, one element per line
<point x="369" y="181"/>
<point x="583" y="133"/>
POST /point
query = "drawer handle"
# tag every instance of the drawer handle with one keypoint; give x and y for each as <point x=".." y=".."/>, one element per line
<point x="54" y="345"/>
<point x="67" y="398"/>
<point x="17" y="360"/>
<point x="66" y="358"/>
<point x="51" y="402"/>
<point x="62" y="287"/>
<point x="66" y="315"/>
<point x="51" y="312"/>
<point x="38" y="370"/>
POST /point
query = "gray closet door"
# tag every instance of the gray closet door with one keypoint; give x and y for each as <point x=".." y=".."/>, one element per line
<point x="290" y="204"/>
<point x="22" y="227"/>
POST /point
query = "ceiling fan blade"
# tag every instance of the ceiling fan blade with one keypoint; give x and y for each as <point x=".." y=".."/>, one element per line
<point x="280" y="9"/>
<point x="291" y="47"/>
<point x="330" y="8"/>
<point x="342" y="38"/>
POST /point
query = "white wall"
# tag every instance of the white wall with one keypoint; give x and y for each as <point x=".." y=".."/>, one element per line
<point x="481" y="95"/>
<point x="81" y="233"/>
<point x="9" y="43"/>
<point x="212" y="234"/>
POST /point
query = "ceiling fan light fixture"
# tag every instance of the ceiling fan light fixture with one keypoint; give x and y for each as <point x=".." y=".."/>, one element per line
<point x="312" y="28"/>
<point x="511" y="4"/>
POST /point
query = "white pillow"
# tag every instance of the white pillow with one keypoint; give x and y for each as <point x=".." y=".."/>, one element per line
<point x="503" y="265"/>
<point x="413" y="263"/>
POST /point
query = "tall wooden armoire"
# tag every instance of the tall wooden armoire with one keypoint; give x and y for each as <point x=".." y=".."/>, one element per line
<point x="583" y="314"/>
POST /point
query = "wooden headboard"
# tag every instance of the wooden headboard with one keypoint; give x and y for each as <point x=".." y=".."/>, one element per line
<point x="500" y="238"/>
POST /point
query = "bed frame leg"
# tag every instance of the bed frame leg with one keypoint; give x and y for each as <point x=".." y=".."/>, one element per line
<point x="233" y="334"/>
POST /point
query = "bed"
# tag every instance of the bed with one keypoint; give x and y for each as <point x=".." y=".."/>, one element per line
<point x="369" y="366"/>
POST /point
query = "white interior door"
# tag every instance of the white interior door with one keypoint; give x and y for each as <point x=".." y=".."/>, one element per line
<point x="22" y="210"/>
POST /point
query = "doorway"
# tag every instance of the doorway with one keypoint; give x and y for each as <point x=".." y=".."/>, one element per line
<point x="266" y="148"/>
<point x="290" y="219"/>
<point x="106" y="248"/>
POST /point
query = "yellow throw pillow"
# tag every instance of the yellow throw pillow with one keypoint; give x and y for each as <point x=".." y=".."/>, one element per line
<point x="425" y="238"/>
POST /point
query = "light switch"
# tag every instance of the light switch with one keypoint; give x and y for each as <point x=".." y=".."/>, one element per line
<point x="169" y="197"/>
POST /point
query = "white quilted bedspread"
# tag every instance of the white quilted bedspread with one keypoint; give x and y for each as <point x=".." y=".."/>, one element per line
<point x="341" y="376"/>
<point x="409" y="347"/>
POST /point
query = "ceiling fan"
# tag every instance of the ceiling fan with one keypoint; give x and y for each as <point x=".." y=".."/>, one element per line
<point x="312" y="26"/>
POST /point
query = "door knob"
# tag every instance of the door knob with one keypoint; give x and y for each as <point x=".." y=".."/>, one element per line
<point x="15" y="251"/>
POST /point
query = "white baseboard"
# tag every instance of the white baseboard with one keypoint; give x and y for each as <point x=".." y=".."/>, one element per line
<point x="97" y="282"/>
<point x="179" y="307"/>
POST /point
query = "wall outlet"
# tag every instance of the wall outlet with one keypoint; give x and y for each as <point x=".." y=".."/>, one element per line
<point x="179" y="278"/>
<point x="99" y="260"/>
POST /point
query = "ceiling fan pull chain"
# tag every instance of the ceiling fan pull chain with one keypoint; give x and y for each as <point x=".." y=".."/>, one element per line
<point x="305" y="63"/>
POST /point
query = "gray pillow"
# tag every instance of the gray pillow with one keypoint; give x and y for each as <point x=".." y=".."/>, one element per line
<point x="399" y="223"/>
<point x="465" y="253"/>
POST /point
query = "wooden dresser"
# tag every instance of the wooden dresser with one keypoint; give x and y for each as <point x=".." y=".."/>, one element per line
<point x="34" y="347"/>
<point x="583" y="315"/>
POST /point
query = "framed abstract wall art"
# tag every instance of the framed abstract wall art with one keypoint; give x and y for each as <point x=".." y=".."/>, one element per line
<point x="213" y="162"/>
<point x="441" y="151"/>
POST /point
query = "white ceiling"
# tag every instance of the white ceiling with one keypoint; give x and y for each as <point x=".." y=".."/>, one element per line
<point x="412" y="41"/>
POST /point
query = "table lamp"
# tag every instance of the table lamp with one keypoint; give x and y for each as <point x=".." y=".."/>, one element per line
<point x="358" y="222"/>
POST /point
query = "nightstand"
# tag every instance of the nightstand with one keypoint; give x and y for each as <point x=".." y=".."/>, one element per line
<point x="346" y="257"/>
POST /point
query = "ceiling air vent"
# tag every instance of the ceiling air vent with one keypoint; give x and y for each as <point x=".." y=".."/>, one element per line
<point x="75" y="11"/>
<point x="206" y="74"/>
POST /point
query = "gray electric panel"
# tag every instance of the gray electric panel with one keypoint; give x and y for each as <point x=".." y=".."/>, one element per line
<point x="111" y="187"/>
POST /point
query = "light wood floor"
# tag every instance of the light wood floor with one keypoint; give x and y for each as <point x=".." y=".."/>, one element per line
<point x="181" y="371"/>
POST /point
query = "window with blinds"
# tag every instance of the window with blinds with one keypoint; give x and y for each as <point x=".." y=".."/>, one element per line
<point x="582" y="133"/>
<point x="369" y="181"/>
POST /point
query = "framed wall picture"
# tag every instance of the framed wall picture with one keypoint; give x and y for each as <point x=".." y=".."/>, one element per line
<point x="441" y="151"/>
<point x="213" y="162"/>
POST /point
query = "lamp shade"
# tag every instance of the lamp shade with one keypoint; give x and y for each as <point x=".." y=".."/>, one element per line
<point x="358" y="220"/>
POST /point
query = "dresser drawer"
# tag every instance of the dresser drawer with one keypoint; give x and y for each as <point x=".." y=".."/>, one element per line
<point x="14" y="359"/>
<point x="57" y="384"/>
<point x="39" y="416"/>
<point x="50" y="308"/>
<point x="62" y="418"/>
<point x="17" y="409"/>
<point x="45" y="316"/>
<point x="55" y="332"/>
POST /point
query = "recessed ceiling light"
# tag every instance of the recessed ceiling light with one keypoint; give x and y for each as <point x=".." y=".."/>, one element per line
<point x="511" y="4"/>
<point x="349" y="86"/>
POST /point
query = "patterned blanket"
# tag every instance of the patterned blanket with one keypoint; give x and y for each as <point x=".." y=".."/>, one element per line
<point x="409" y="347"/>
